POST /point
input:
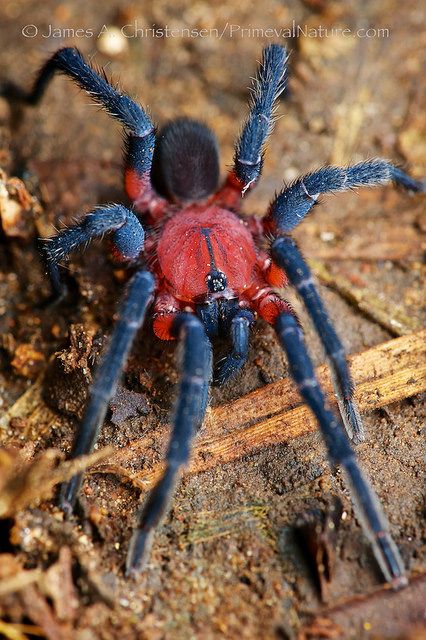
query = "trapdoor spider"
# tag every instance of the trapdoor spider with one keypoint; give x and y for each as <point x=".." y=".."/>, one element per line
<point x="206" y="270"/>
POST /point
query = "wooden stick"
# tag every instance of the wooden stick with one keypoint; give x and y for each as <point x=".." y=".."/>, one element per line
<point x="274" y="414"/>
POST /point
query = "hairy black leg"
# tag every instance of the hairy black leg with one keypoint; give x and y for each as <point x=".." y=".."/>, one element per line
<point x="367" y="505"/>
<point x="130" y="317"/>
<point x="293" y="203"/>
<point x="127" y="235"/>
<point x="188" y="415"/>
<point x="70" y="62"/>
<point x="58" y="287"/>
<point x="286" y="254"/>
<point x="267" y="86"/>
<point x="138" y="125"/>
<point x="235" y="360"/>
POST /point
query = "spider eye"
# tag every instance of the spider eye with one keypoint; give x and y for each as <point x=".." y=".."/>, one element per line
<point x="185" y="165"/>
<point x="216" y="281"/>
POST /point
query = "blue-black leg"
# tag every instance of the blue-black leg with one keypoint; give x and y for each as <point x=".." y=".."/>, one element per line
<point x="140" y="138"/>
<point x="130" y="317"/>
<point x="286" y="254"/>
<point x="59" y="289"/>
<point x="188" y="415"/>
<point x="235" y="360"/>
<point x="127" y="235"/>
<point x="367" y="505"/>
<point x="293" y="203"/>
<point x="70" y="62"/>
<point x="267" y="86"/>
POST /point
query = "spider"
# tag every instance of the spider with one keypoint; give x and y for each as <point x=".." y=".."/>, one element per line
<point x="202" y="269"/>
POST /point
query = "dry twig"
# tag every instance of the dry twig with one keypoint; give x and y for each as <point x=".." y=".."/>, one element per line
<point x="274" y="414"/>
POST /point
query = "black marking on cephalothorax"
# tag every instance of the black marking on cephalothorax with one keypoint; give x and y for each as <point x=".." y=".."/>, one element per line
<point x="216" y="280"/>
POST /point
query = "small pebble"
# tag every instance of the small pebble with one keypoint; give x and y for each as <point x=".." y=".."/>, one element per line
<point x="112" y="42"/>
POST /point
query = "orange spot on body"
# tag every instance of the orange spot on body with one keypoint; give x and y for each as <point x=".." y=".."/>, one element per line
<point x="270" y="307"/>
<point x="162" y="326"/>
<point x="275" y="276"/>
<point x="166" y="309"/>
<point x="135" y="183"/>
<point x="229" y="195"/>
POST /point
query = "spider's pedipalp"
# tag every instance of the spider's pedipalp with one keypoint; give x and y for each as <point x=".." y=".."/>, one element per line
<point x="127" y="235"/>
<point x="286" y="254"/>
<point x="294" y="202"/>
<point x="340" y="452"/>
<point x="188" y="415"/>
<point x="130" y="317"/>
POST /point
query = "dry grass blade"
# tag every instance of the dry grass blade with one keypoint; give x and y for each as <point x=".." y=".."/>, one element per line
<point x="12" y="631"/>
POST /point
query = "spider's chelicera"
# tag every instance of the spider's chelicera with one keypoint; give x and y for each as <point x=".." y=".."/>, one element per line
<point x="202" y="269"/>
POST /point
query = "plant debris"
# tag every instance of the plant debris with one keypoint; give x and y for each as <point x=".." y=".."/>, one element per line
<point x="25" y="483"/>
<point x="69" y="375"/>
<point x="318" y="533"/>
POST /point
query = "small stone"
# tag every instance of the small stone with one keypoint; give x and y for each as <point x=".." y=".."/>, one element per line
<point x="127" y="404"/>
<point x="112" y="42"/>
<point x="17" y="208"/>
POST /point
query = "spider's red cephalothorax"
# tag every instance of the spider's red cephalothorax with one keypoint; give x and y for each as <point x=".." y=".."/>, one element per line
<point x="204" y="250"/>
<point x="206" y="269"/>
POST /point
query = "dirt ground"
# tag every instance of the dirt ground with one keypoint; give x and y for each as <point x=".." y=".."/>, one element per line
<point x="231" y="560"/>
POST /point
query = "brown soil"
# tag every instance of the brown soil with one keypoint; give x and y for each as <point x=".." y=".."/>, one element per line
<point x="228" y="561"/>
